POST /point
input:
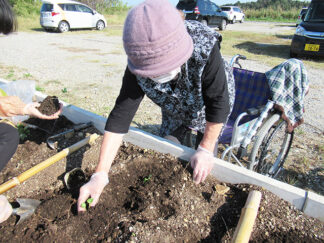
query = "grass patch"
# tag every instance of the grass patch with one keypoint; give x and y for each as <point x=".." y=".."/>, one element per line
<point x="93" y="61"/>
<point x="116" y="19"/>
<point x="55" y="82"/>
<point x="28" y="24"/>
<point x="118" y="51"/>
<point x="114" y="30"/>
<point x="271" y="49"/>
<point x="12" y="73"/>
<point x="40" y="89"/>
<point x="283" y="20"/>
<point x="110" y="65"/>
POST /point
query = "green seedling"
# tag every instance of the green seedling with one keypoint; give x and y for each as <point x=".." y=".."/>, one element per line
<point x="27" y="75"/>
<point x="146" y="179"/>
<point x="40" y="89"/>
<point x="64" y="90"/>
<point x="23" y="132"/>
<point x="87" y="203"/>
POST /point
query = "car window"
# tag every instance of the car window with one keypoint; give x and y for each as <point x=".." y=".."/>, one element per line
<point x="226" y="8"/>
<point x="214" y="7"/>
<point x="46" y="7"/>
<point x="187" y="4"/>
<point x="62" y="6"/>
<point x="70" y="7"/>
<point x="303" y="11"/>
<point x="84" y="9"/>
<point x="315" y="12"/>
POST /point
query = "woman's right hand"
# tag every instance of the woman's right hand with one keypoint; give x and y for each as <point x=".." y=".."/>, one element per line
<point x="31" y="110"/>
<point x="92" y="189"/>
<point x="5" y="209"/>
<point x="14" y="106"/>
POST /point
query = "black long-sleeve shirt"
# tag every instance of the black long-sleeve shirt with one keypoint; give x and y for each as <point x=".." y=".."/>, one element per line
<point x="214" y="91"/>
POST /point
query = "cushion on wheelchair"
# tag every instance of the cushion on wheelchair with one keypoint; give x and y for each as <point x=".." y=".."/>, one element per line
<point x="251" y="90"/>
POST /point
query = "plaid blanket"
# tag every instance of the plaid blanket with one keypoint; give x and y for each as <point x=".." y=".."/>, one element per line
<point x="289" y="84"/>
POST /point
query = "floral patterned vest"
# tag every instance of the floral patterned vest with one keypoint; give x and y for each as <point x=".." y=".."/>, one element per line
<point x="181" y="99"/>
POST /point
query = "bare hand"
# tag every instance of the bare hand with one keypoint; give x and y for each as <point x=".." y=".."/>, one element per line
<point x="31" y="109"/>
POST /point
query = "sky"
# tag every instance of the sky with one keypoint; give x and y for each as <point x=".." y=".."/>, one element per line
<point x="174" y="2"/>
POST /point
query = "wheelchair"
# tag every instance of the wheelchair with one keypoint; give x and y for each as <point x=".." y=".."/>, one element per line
<point x="255" y="136"/>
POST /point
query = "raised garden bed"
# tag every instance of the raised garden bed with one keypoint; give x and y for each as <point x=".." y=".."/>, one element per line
<point x="150" y="198"/>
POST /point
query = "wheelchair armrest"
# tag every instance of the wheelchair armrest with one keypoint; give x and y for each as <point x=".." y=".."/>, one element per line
<point x="255" y="110"/>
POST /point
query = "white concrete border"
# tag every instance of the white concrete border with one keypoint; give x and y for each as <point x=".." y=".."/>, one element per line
<point x="310" y="203"/>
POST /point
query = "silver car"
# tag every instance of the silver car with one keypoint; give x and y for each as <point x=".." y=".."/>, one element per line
<point x="65" y="15"/>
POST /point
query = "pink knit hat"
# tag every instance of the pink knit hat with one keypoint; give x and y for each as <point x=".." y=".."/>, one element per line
<point x="155" y="39"/>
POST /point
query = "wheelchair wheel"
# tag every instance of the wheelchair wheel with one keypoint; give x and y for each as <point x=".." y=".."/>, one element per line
<point x="271" y="147"/>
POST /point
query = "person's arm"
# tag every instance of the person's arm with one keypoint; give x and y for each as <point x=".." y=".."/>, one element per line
<point x="14" y="106"/>
<point x="117" y="125"/>
<point x="216" y="100"/>
<point x="11" y="106"/>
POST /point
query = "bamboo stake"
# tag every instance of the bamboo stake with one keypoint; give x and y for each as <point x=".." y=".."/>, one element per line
<point x="248" y="214"/>
<point x="46" y="163"/>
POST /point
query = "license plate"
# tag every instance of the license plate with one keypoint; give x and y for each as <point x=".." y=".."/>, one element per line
<point x="312" y="47"/>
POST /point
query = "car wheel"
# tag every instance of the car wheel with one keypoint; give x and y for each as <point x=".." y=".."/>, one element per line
<point x="234" y="20"/>
<point x="63" y="26"/>
<point x="222" y="25"/>
<point x="204" y="22"/>
<point x="242" y="20"/>
<point x="100" y="25"/>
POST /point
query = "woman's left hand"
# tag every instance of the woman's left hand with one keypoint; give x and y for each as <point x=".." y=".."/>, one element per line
<point x="202" y="164"/>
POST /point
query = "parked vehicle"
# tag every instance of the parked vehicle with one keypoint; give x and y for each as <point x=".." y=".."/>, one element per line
<point x="234" y="13"/>
<point x="204" y="11"/>
<point x="65" y="15"/>
<point x="299" y="19"/>
<point x="309" y="36"/>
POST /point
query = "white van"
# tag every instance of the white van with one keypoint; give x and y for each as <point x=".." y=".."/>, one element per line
<point x="65" y="15"/>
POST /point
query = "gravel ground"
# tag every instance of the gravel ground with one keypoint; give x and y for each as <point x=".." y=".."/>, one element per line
<point x="85" y="68"/>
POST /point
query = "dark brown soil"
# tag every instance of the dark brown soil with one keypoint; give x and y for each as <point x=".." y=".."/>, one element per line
<point x="150" y="198"/>
<point x="49" y="105"/>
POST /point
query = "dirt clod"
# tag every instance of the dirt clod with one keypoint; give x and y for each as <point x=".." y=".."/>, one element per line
<point x="49" y="105"/>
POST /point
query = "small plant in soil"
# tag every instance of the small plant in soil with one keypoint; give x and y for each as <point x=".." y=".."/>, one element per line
<point x="64" y="90"/>
<point x="147" y="179"/>
<point x="86" y="204"/>
<point x="49" y="105"/>
<point x="27" y="75"/>
<point x="40" y="89"/>
<point x="23" y="132"/>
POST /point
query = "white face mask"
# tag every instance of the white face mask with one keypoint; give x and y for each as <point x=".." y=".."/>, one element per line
<point x="167" y="77"/>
